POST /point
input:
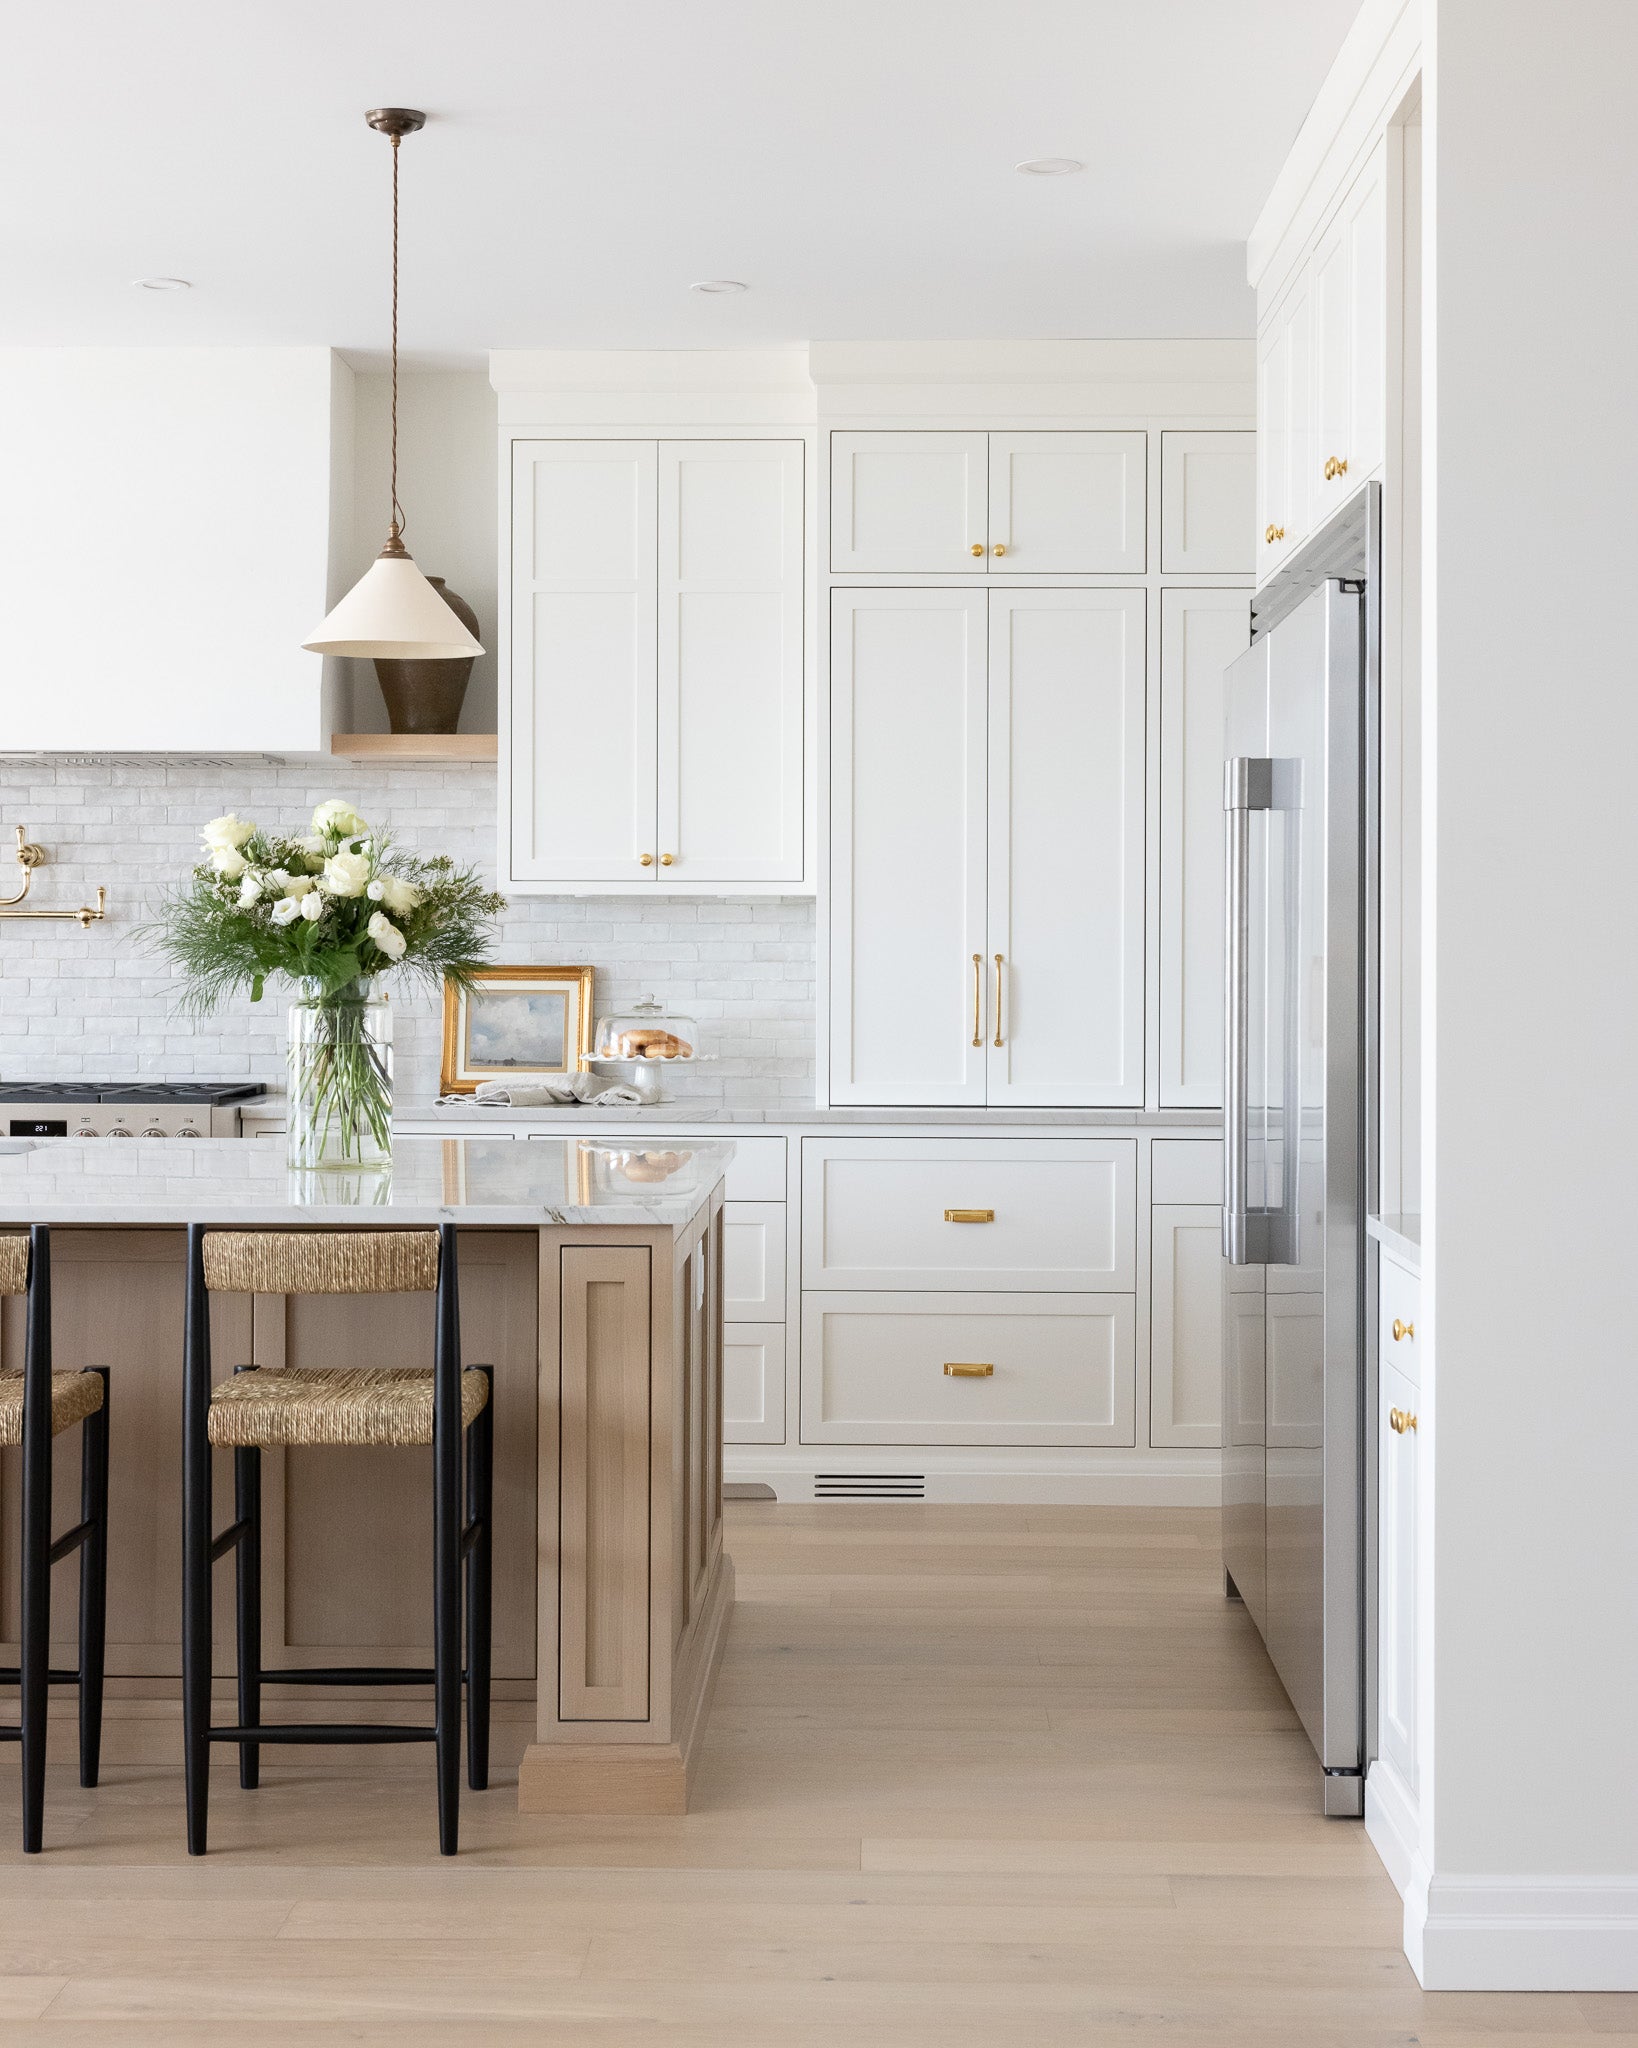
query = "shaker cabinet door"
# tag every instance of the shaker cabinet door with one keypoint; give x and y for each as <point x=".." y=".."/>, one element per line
<point x="1207" y="484"/>
<point x="583" y="681"/>
<point x="908" y="988"/>
<point x="730" y="662"/>
<point x="1068" y="504"/>
<point x="1066" y="874"/>
<point x="1285" y="462"/>
<point x="1397" y="1593"/>
<point x="1186" y="1326"/>
<point x="908" y="504"/>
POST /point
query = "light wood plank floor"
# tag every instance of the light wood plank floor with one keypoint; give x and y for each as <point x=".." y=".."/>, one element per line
<point x="976" y="1777"/>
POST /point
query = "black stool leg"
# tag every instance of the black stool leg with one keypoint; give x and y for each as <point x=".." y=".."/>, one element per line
<point x="247" y="1573"/>
<point x="93" y="1581"/>
<point x="36" y="1647"/>
<point x="480" y="1495"/>
<point x="196" y="1540"/>
<point x="446" y="1543"/>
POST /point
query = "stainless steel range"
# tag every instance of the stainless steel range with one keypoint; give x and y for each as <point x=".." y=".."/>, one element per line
<point x="137" y="1109"/>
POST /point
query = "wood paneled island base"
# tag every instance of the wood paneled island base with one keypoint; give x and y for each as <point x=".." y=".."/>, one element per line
<point x="597" y="1299"/>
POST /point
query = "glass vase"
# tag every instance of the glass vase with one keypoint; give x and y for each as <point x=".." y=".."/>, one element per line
<point x="339" y="1066"/>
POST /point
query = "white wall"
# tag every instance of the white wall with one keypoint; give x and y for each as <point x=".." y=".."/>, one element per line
<point x="165" y="535"/>
<point x="1530" y="1803"/>
<point x="446" y="485"/>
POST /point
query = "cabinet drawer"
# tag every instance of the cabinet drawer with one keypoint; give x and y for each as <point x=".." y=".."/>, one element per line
<point x="982" y="1213"/>
<point x="753" y="1261"/>
<point x="1060" y="1369"/>
<point x="753" y="1383"/>
<point x="1186" y="1170"/>
<point x="1398" y="1295"/>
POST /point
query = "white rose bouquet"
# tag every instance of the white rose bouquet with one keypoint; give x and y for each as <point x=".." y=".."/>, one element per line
<point x="330" y="910"/>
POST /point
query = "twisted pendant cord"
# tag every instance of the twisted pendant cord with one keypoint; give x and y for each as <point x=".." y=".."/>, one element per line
<point x="397" y="509"/>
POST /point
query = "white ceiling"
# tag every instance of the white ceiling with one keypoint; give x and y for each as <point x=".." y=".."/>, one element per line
<point x="851" y="160"/>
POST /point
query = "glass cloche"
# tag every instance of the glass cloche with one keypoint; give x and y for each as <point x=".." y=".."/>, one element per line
<point x="648" y="1032"/>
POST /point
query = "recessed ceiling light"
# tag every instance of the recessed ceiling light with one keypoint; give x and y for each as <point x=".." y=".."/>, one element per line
<point x="1051" y="167"/>
<point x="162" y="284"/>
<point x="719" y="284"/>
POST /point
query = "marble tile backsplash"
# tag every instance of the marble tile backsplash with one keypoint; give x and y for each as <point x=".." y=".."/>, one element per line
<point x="96" y="1005"/>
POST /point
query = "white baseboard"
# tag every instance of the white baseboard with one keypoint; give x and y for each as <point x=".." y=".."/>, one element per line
<point x="1526" y="1934"/>
<point x="1393" y="1825"/>
<point x="1024" y="1478"/>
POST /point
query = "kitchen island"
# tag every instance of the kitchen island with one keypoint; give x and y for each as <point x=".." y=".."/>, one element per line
<point x="591" y="1281"/>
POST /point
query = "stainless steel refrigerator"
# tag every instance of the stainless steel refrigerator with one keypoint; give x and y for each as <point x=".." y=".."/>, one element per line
<point x="1300" y="805"/>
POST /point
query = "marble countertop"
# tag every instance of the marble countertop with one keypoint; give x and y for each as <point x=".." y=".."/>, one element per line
<point x="674" y="1115"/>
<point x="473" y="1181"/>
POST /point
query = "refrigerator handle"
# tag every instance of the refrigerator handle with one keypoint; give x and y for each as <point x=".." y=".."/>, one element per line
<point x="1248" y="785"/>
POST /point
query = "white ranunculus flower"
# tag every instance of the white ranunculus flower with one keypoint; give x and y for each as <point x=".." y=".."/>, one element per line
<point x="336" y="820"/>
<point x="345" y="874"/>
<point x="387" y="936"/>
<point x="250" y="889"/>
<point x="400" y="897"/>
<point x="228" y="831"/>
<point x="312" y="906"/>
<point x="228" y="862"/>
<point x="287" y="910"/>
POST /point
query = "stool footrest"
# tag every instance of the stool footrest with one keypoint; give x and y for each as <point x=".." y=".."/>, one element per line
<point x="351" y="1674"/>
<point x="470" y="1534"/>
<point x="53" y="1677"/>
<point x="71" y="1539"/>
<point x="230" y="1537"/>
<point x="325" y="1731"/>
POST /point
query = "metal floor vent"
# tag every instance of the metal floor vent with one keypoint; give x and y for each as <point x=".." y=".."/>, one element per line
<point x="870" y="1486"/>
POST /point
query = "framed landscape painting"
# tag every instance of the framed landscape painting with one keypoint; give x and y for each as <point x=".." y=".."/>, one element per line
<point x="516" y="1024"/>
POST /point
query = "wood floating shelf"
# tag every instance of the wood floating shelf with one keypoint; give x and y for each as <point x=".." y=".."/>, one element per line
<point x="415" y="746"/>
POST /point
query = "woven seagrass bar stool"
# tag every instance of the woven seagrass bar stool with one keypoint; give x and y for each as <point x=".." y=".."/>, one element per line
<point x="36" y="1405"/>
<point x="295" y="1407"/>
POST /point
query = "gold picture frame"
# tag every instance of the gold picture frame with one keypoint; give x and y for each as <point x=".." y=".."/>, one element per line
<point x="518" y="1039"/>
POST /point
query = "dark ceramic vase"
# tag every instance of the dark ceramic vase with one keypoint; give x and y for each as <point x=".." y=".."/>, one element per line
<point x="426" y="696"/>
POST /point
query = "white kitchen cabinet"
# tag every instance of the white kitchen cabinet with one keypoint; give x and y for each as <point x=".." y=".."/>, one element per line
<point x="1065" y="852"/>
<point x="967" y="1369"/>
<point x="907" y="870"/>
<point x="1208" y="489"/>
<point x="655" y="707"/>
<point x="753" y="1383"/>
<point x="987" y="874"/>
<point x="1067" y="504"/>
<point x="753" y="1261"/>
<point x="1201" y="632"/>
<point x="1285" y="463"/>
<point x="929" y="503"/>
<point x="988" y="1213"/>
<point x="1397" y="1577"/>
<point x="1350" y="336"/>
<point x="1186" y="1325"/>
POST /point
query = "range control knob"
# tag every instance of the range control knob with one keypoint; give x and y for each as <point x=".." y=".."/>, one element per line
<point x="187" y="1131"/>
<point x="119" y="1131"/>
<point x="85" y="1131"/>
<point x="153" y="1131"/>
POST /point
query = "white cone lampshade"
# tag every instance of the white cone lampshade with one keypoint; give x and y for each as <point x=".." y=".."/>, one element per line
<point x="393" y="614"/>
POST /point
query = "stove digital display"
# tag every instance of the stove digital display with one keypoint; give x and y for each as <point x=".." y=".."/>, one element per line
<point x="39" y="1127"/>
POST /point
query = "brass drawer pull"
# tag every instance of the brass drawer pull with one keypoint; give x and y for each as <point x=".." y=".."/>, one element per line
<point x="1399" y="1419"/>
<point x="969" y="1215"/>
<point x="955" y="1371"/>
<point x="1402" y="1330"/>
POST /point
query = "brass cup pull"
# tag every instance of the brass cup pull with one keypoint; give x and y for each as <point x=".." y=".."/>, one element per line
<point x="978" y="999"/>
<point x="1399" y="1419"/>
<point x="645" y="860"/>
<point x="953" y="1370"/>
<point x="969" y="1215"/>
<point x="1402" y="1330"/>
<point x="1273" y="533"/>
<point x="978" y="547"/>
<point x="1000" y="548"/>
<point x="666" y="859"/>
<point x="1335" y="466"/>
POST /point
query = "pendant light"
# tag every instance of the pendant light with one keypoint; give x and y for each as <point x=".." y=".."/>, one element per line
<point x="393" y="612"/>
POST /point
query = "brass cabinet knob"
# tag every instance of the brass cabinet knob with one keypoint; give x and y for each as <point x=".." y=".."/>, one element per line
<point x="667" y="859"/>
<point x="1402" y="1330"/>
<point x="1274" y="533"/>
<point x="954" y="1370"/>
<point x="1335" y="466"/>
<point x="999" y="549"/>
<point x="978" y="547"/>
<point x="1400" y="1420"/>
<point x="645" y="860"/>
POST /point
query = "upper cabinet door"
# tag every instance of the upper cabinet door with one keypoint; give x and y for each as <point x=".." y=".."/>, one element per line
<point x="908" y="980"/>
<point x="1068" y="504"/>
<point x="730" y="661"/>
<point x="1350" y="311"/>
<point x="1207" y="489"/>
<point x="1066" y="887"/>
<point x="908" y="504"/>
<point x="1201" y="632"/>
<point x="583" y="684"/>
<point x="1285" y="428"/>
